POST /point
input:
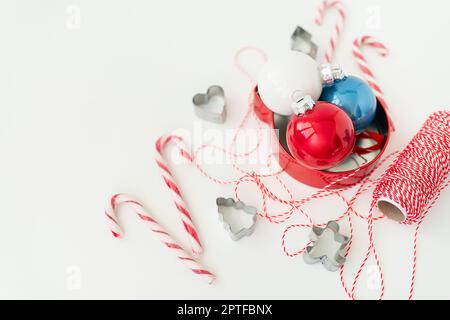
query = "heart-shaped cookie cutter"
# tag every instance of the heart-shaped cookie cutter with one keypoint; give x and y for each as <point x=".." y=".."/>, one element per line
<point x="332" y="261"/>
<point x="301" y="40"/>
<point x="202" y="110"/>
<point x="239" y="206"/>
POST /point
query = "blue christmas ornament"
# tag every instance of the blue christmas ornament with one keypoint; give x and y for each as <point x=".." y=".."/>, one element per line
<point x="351" y="94"/>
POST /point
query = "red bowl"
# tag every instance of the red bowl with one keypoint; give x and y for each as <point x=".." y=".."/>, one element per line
<point x="315" y="178"/>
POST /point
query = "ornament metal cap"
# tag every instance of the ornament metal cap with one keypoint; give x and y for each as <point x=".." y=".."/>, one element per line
<point x="302" y="103"/>
<point x="331" y="73"/>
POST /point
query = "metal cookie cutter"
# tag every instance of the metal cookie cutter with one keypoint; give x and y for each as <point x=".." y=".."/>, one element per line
<point x="204" y="110"/>
<point x="236" y="234"/>
<point x="320" y="251"/>
<point x="301" y="40"/>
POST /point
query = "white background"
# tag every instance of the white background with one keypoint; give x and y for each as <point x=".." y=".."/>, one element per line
<point x="80" y="109"/>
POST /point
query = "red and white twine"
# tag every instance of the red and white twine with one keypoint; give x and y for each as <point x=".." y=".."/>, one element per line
<point x="327" y="5"/>
<point x="295" y="203"/>
<point x="414" y="182"/>
<point x="420" y="172"/>
<point x="426" y="158"/>
<point x="417" y="179"/>
<point x="186" y="259"/>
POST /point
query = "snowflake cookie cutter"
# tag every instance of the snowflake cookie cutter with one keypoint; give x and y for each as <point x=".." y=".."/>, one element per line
<point x="301" y="40"/>
<point x="236" y="234"/>
<point x="332" y="261"/>
<point x="203" y="109"/>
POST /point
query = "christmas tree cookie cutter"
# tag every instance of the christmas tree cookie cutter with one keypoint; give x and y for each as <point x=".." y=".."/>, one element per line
<point x="239" y="207"/>
<point x="203" y="108"/>
<point x="301" y="40"/>
<point x="332" y="259"/>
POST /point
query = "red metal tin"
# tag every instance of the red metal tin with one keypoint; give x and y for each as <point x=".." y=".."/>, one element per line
<point x="315" y="178"/>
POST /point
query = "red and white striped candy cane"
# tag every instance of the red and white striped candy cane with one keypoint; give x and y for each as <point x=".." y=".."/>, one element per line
<point x="337" y="31"/>
<point x="358" y="44"/>
<point x="181" y="206"/>
<point x="183" y="256"/>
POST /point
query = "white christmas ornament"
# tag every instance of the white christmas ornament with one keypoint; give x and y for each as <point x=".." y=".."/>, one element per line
<point x="281" y="79"/>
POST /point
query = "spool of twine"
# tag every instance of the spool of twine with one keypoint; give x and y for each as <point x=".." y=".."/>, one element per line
<point x="413" y="183"/>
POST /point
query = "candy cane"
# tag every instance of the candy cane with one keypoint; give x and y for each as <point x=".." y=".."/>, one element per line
<point x="181" y="206"/>
<point x="185" y="258"/>
<point x="358" y="44"/>
<point x="326" y="5"/>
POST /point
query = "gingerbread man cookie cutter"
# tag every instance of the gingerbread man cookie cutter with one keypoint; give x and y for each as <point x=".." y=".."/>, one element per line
<point x="332" y="259"/>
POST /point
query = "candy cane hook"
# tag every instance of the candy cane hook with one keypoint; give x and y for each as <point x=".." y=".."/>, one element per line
<point x="185" y="258"/>
<point x="181" y="206"/>
<point x="358" y="44"/>
<point x="324" y="7"/>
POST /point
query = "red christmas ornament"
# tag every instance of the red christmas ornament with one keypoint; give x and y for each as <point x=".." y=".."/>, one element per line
<point x="321" y="135"/>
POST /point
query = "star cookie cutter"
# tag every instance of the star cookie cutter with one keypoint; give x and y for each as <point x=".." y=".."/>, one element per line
<point x="236" y="234"/>
<point x="332" y="261"/>
<point x="202" y="105"/>
<point x="301" y="40"/>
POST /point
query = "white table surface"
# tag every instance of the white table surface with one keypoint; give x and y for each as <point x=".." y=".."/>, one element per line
<point x="83" y="100"/>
